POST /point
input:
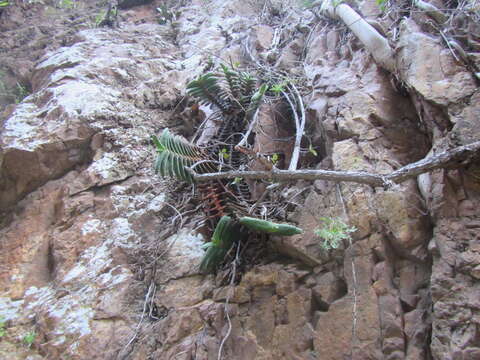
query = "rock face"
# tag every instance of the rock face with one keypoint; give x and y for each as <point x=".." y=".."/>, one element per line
<point x="91" y="264"/>
<point x="74" y="147"/>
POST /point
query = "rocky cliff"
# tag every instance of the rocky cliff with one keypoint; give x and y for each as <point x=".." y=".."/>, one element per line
<point x="91" y="265"/>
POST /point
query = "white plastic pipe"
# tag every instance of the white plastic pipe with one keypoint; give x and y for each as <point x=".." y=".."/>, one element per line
<point x="373" y="41"/>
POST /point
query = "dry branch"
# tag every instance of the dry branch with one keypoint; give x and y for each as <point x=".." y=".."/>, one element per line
<point x="249" y="130"/>
<point x="452" y="158"/>
<point x="299" y="126"/>
<point x="298" y="137"/>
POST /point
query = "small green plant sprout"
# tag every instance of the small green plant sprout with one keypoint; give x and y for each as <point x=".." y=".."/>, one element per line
<point x="3" y="332"/>
<point x="277" y="89"/>
<point x="210" y="63"/>
<point x="333" y="232"/>
<point x="312" y="151"/>
<point x="29" y="338"/>
<point x="382" y="4"/>
<point x="237" y="180"/>
<point x="4" y="3"/>
<point x="224" y="154"/>
<point x="99" y="18"/>
<point x="275" y="158"/>
<point x="22" y="93"/>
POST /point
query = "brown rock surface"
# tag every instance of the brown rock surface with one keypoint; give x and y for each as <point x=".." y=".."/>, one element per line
<point x="440" y="80"/>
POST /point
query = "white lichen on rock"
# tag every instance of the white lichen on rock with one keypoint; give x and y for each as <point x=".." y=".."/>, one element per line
<point x="121" y="233"/>
<point x="88" y="100"/>
<point x="23" y="130"/>
<point x="91" y="226"/>
<point x="10" y="309"/>
<point x="188" y="244"/>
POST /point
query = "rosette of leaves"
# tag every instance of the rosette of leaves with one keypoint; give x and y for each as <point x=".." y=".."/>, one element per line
<point x="228" y="90"/>
<point x="175" y="154"/>
<point x="236" y="96"/>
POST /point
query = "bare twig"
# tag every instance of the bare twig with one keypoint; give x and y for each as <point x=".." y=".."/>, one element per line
<point x="452" y="158"/>
<point x="137" y="328"/>
<point x="152" y="301"/>
<point x="180" y="353"/>
<point x="455" y="45"/>
<point x="296" y="150"/>
<point x="448" y="44"/>
<point x="250" y="128"/>
<point x="300" y="131"/>
<point x="220" y="164"/>
<point x="354" y="277"/>
<point x="179" y="214"/>
<point x="232" y="284"/>
<point x="263" y="196"/>
<point x="150" y="296"/>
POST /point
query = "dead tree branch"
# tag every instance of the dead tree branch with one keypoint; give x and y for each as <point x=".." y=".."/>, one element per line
<point x="299" y="126"/>
<point x="456" y="157"/>
<point x="250" y="128"/>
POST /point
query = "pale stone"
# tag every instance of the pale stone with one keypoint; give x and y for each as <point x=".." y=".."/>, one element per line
<point x="441" y="79"/>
